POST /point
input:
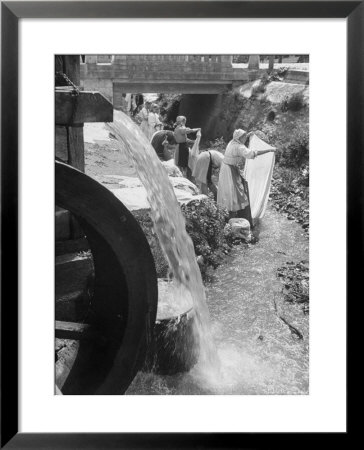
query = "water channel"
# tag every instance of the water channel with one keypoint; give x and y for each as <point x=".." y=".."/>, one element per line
<point x="259" y="354"/>
<point x="243" y="324"/>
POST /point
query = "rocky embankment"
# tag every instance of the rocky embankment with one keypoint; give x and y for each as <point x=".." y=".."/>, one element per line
<point x="295" y="280"/>
<point x="290" y="195"/>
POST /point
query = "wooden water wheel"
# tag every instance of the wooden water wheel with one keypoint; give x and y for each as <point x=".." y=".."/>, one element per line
<point x="108" y="339"/>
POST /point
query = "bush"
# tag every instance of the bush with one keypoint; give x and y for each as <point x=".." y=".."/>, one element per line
<point x="205" y="223"/>
<point x="278" y="74"/>
<point x="293" y="103"/>
<point x="298" y="149"/>
<point x="259" y="88"/>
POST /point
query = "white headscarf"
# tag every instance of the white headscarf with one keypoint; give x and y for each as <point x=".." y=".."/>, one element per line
<point x="238" y="134"/>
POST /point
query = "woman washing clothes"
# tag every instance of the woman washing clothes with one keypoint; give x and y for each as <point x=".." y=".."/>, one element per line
<point x="180" y="134"/>
<point x="164" y="144"/>
<point x="233" y="193"/>
<point x="202" y="171"/>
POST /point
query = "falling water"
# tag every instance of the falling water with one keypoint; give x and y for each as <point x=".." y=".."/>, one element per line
<point x="169" y="225"/>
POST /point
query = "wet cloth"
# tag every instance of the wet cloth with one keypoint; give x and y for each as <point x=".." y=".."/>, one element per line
<point x="194" y="152"/>
<point x="232" y="194"/>
<point x="258" y="173"/>
<point x="204" y="163"/>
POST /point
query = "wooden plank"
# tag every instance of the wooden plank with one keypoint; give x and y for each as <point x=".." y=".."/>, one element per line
<point x="76" y="158"/>
<point x="84" y="106"/>
<point x="72" y="68"/>
<point x="73" y="272"/>
<point x="76" y="150"/>
<point x="74" y="330"/>
<point x="61" y="143"/>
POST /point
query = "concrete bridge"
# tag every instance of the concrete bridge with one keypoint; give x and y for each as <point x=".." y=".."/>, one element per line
<point x="186" y="74"/>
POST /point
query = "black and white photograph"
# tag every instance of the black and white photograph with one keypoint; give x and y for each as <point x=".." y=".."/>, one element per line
<point x="182" y="224"/>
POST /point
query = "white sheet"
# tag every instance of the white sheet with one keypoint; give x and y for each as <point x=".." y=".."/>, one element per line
<point x="258" y="173"/>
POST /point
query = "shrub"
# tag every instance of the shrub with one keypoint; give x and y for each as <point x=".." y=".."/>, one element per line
<point x="296" y="153"/>
<point x="205" y="223"/>
<point x="278" y="74"/>
<point x="258" y="88"/>
<point x="298" y="149"/>
<point x="293" y="103"/>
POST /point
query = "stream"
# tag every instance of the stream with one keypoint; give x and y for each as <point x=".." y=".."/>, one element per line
<point x="251" y="323"/>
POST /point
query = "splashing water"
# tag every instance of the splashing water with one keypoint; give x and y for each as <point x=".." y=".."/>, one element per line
<point x="257" y="351"/>
<point x="169" y="225"/>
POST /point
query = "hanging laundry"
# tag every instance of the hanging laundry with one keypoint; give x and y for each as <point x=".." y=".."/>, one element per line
<point x="194" y="152"/>
<point x="258" y="173"/>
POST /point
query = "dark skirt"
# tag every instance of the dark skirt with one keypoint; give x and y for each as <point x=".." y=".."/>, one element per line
<point x="183" y="153"/>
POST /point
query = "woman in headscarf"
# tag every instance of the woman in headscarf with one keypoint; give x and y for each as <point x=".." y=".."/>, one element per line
<point x="143" y="115"/>
<point x="202" y="171"/>
<point x="180" y="134"/>
<point x="233" y="191"/>
<point x="154" y="123"/>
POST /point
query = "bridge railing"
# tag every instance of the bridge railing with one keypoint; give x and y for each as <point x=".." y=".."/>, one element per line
<point x="191" y="59"/>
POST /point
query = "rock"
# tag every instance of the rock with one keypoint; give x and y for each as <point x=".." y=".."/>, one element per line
<point x="200" y="260"/>
<point x="241" y="228"/>
<point x="171" y="168"/>
<point x="135" y="198"/>
<point x="184" y="185"/>
<point x="199" y="198"/>
<point x="174" y="347"/>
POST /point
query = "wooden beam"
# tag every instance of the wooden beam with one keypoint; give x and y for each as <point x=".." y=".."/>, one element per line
<point x="72" y="274"/>
<point x="78" y="107"/>
<point x="62" y="143"/>
<point x="74" y="330"/>
<point x="76" y="151"/>
<point x="72" y="68"/>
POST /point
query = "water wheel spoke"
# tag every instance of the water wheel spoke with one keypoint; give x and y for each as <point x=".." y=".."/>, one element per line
<point x="74" y="330"/>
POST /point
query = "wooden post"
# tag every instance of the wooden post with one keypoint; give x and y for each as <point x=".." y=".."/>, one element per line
<point x="271" y="63"/>
<point x="73" y="109"/>
<point x="72" y="68"/>
<point x="254" y="62"/>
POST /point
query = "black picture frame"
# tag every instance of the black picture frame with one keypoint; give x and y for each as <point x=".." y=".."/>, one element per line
<point x="11" y="12"/>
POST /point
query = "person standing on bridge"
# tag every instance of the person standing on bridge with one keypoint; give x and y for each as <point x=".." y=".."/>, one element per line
<point x="180" y="134"/>
<point x="233" y="193"/>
